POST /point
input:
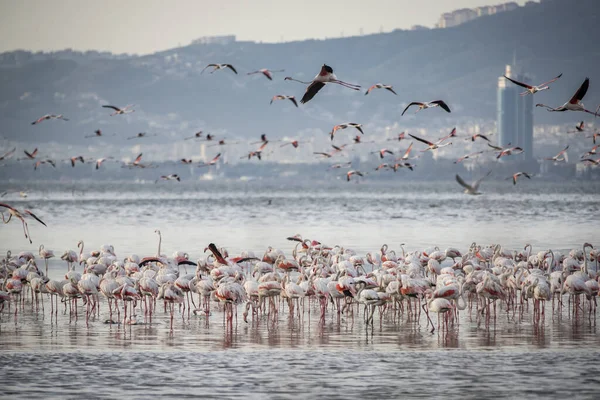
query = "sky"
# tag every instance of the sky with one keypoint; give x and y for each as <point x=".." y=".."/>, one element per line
<point x="147" y="26"/>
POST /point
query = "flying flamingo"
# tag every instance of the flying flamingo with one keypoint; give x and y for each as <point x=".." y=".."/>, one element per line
<point x="101" y="160"/>
<point x="8" y="154"/>
<point x="21" y="216"/>
<point x="140" y="135"/>
<point x="31" y="155"/>
<point x="346" y="125"/>
<point x="533" y="89"/>
<point x="45" y="254"/>
<point x="97" y="133"/>
<point x="399" y="137"/>
<point x="342" y="165"/>
<point x="432" y="146"/>
<point x="350" y="173"/>
<point x="478" y="135"/>
<point x="561" y="156"/>
<point x="211" y="162"/>
<point x="219" y="66"/>
<point x="509" y="151"/>
<point x="380" y="86"/>
<point x="474" y="188"/>
<point x="574" y="104"/>
<point x="326" y="75"/>
<point x="170" y="177"/>
<point x="118" y="111"/>
<point x="47" y="117"/>
<point x="283" y="97"/>
<point x="76" y="158"/>
<point x="428" y="104"/>
<point x="592" y="152"/>
<point x="197" y="135"/>
<point x="467" y="156"/>
<point x="47" y="161"/>
<point x="579" y="127"/>
<point x="382" y="152"/>
<point x="293" y="143"/>
<point x="266" y="72"/>
<point x="515" y="176"/>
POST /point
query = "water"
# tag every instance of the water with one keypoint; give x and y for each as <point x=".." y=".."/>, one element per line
<point x="512" y="358"/>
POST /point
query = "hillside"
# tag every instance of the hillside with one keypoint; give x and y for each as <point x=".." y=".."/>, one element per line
<point x="173" y="99"/>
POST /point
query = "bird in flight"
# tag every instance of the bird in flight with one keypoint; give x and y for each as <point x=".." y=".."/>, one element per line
<point x="574" y="104"/>
<point x="125" y="110"/>
<point x="169" y="177"/>
<point x="474" y="188"/>
<point x="353" y="172"/>
<point x="533" y="89"/>
<point x="509" y="151"/>
<point x="140" y="135"/>
<point x="101" y="160"/>
<point x="344" y="126"/>
<point x="382" y="152"/>
<point x="283" y="97"/>
<point x="49" y="116"/>
<point x="31" y="155"/>
<point x="592" y="152"/>
<point x="8" y="154"/>
<point x="268" y="73"/>
<point x="428" y="104"/>
<point x="47" y="161"/>
<point x="381" y="86"/>
<point x="471" y="155"/>
<point x="478" y="135"/>
<point x="517" y="175"/>
<point x="197" y="135"/>
<point x="97" y="133"/>
<point x="561" y="156"/>
<point x="218" y="67"/>
<point x="211" y="162"/>
<point x="325" y="76"/>
<point x="75" y="159"/>
<point x="432" y="146"/>
<point x="21" y="216"/>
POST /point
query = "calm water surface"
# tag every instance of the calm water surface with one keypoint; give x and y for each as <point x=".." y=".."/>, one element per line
<point x="41" y="357"/>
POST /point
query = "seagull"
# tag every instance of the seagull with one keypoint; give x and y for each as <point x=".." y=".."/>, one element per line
<point x="283" y="97"/>
<point x="346" y="125"/>
<point x="533" y="89"/>
<point x="219" y="66"/>
<point x="211" y="162"/>
<point x="325" y="76"/>
<point x="472" y="189"/>
<point x="49" y="116"/>
<point x="353" y="172"/>
<point x="125" y="110"/>
<point x="381" y="86"/>
<point x="432" y="146"/>
<point x="197" y="135"/>
<point x="169" y="178"/>
<point x="575" y="103"/>
<point x="515" y="176"/>
<point x="8" y="154"/>
<point x="561" y="156"/>
<point x="428" y="104"/>
<point x="471" y="155"/>
<point x="266" y="72"/>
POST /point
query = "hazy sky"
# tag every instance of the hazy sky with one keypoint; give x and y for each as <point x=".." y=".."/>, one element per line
<point x="145" y="26"/>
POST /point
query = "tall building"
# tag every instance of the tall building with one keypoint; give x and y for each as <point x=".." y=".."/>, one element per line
<point x="515" y="115"/>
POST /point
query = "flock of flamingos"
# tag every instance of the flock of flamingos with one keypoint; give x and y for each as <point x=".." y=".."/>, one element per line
<point x="328" y="280"/>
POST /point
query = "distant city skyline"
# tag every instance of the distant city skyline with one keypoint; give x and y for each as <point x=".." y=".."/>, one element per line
<point x="144" y="27"/>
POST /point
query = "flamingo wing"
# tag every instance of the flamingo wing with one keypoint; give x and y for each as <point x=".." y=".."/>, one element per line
<point x="391" y="90"/>
<point x="551" y="80"/>
<point x="231" y="68"/>
<point x="519" y="83"/>
<point x="442" y="104"/>
<point x="113" y="107"/>
<point x="427" y="142"/>
<point x="8" y="154"/>
<point x="580" y="93"/>
<point x="34" y="217"/>
<point x="311" y="91"/>
<point x="293" y="100"/>
<point x="414" y="103"/>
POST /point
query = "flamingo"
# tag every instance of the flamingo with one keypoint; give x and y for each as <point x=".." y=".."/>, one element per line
<point x="140" y="135"/>
<point x="48" y="117"/>
<point x="533" y="89"/>
<point x="561" y="156"/>
<point x="467" y="156"/>
<point x="97" y="133"/>
<point x="344" y="126"/>
<point x="472" y="189"/>
<point x="8" y="154"/>
<point x="118" y="111"/>
<point x="509" y="151"/>
<point x="592" y="152"/>
<point x="76" y="158"/>
<point x="574" y="104"/>
<point x="294" y="143"/>
<point x="101" y="160"/>
<point x="45" y="254"/>
<point x="517" y="175"/>
<point x="381" y="86"/>
<point x="268" y="73"/>
<point x="211" y="162"/>
<point x="13" y="212"/>
<point x="47" y="161"/>
<point x="428" y="104"/>
<point x="284" y="97"/>
<point x="350" y="173"/>
<point x="382" y="152"/>
<point x="478" y="135"/>
<point x="218" y="67"/>
<point x="326" y="75"/>
<point x="432" y="146"/>
<point x="31" y="155"/>
<point x="170" y="177"/>
<point x="197" y="135"/>
<point x="399" y="137"/>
